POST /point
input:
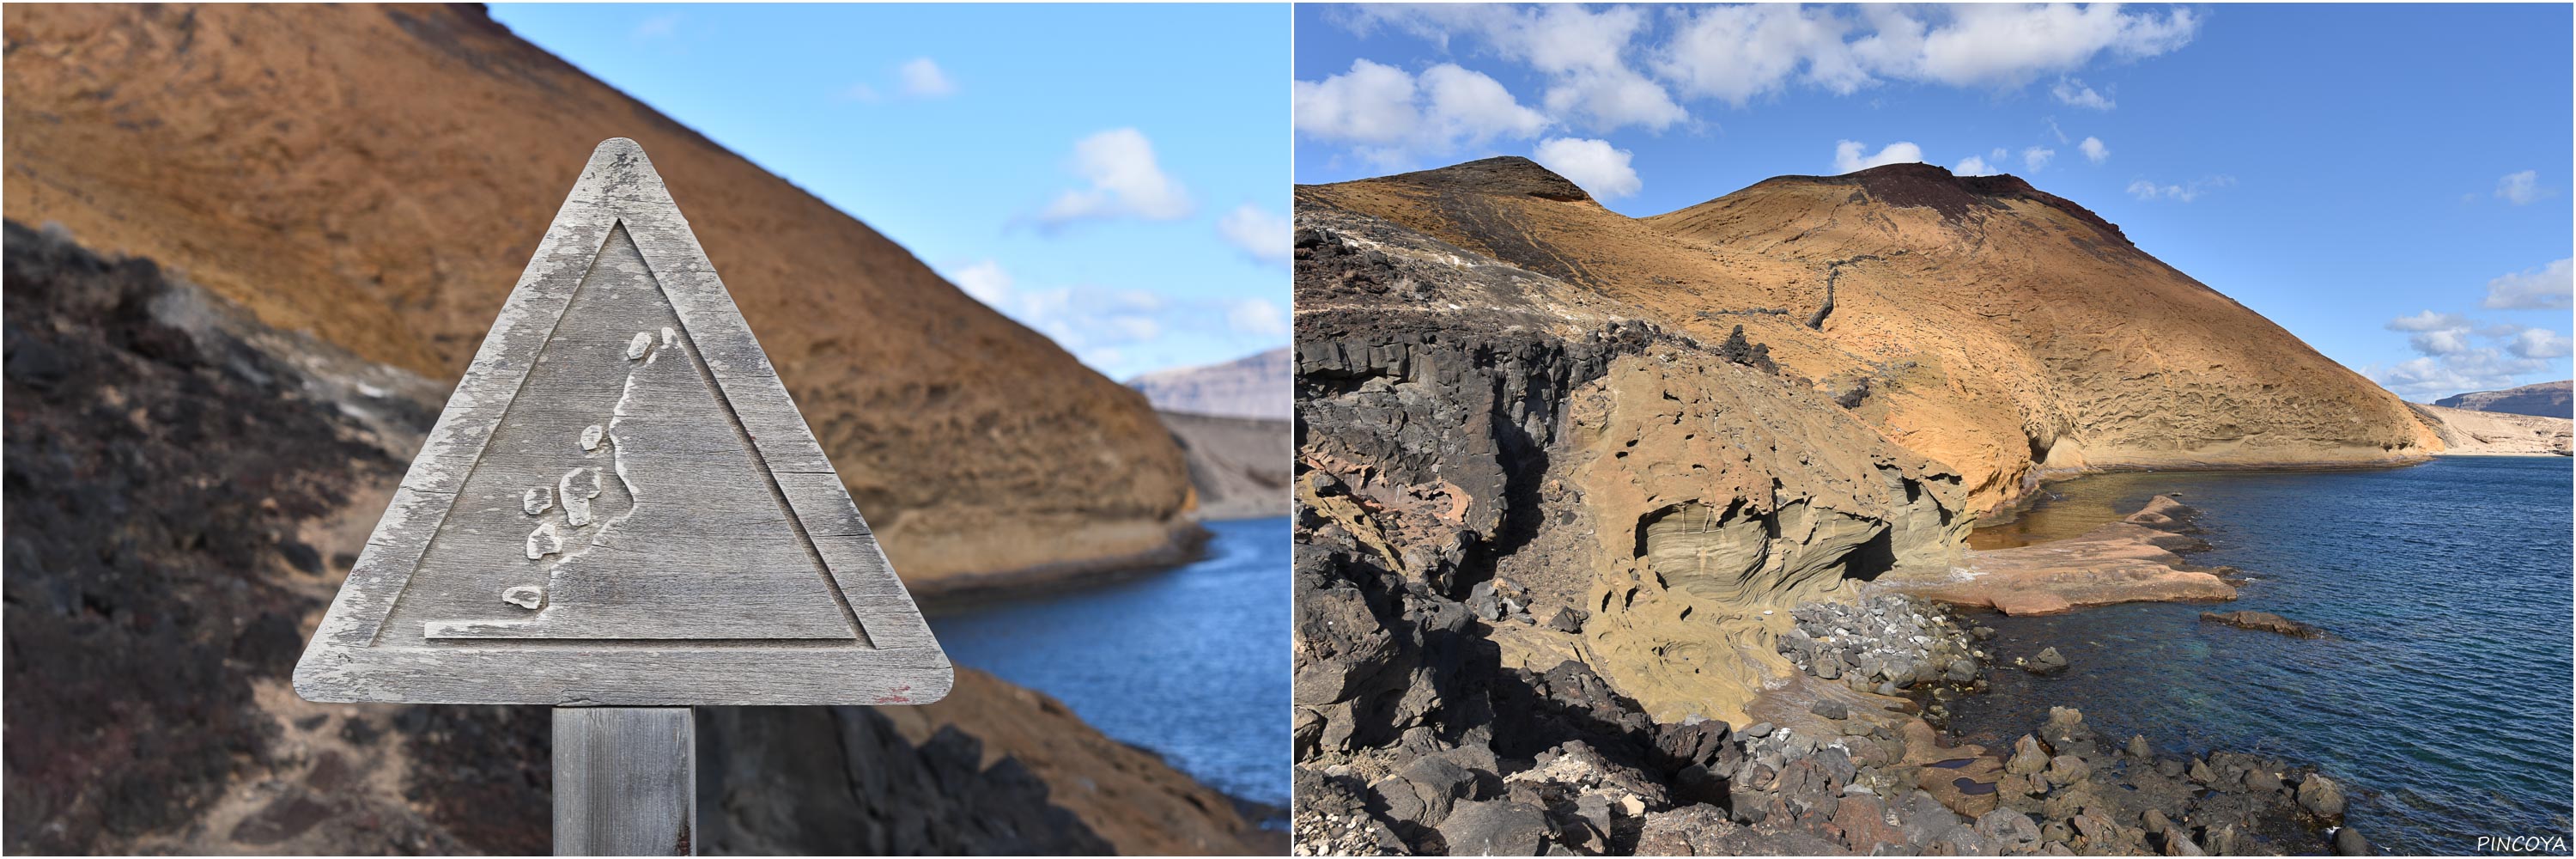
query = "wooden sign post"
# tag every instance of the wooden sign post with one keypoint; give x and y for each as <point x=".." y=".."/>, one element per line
<point x="622" y="514"/>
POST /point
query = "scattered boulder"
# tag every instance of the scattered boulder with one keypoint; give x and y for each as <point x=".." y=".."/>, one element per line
<point x="2348" y="842"/>
<point x="2322" y="797"/>
<point x="1496" y="828"/>
<point x="2048" y="663"/>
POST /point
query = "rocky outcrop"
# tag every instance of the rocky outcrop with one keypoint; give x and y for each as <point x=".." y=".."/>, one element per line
<point x="2547" y="399"/>
<point x="2133" y="560"/>
<point x="186" y="489"/>
<point x="1238" y="466"/>
<point x="2263" y="621"/>
<point x="1545" y="549"/>
<point x="2005" y="332"/>
<point x="1253" y="386"/>
<point x="377" y="176"/>
<point x="2494" y="433"/>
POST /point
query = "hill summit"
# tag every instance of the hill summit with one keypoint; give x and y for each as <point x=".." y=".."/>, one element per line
<point x="1999" y="329"/>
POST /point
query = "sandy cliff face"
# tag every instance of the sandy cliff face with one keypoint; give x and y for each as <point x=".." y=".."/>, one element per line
<point x="2494" y="433"/>
<point x="378" y="175"/>
<point x="2000" y="330"/>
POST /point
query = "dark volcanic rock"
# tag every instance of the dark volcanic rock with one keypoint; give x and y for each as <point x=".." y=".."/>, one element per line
<point x="151" y="478"/>
<point x="867" y="792"/>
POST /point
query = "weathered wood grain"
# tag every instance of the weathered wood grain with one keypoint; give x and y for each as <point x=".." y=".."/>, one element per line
<point x="625" y="781"/>
<point x="621" y="505"/>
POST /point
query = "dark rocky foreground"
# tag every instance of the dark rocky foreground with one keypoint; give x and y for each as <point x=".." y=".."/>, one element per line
<point x="1853" y="764"/>
<point x="176" y="477"/>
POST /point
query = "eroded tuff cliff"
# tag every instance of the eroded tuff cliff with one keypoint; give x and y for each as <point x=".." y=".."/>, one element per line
<point x="377" y="176"/>
<point x="2003" y="331"/>
<point x="1474" y="436"/>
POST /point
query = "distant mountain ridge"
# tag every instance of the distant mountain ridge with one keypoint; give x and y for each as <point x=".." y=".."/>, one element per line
<point x="2547" y="399"/>
<point x="1254" y="386"/>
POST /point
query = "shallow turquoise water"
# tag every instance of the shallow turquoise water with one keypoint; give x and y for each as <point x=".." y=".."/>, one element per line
<point x="2444" y="695"/>
<point x="1191" y="663"/>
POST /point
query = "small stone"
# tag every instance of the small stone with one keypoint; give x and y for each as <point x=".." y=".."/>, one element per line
<point x="1757" y="729"/>
<point x="1831" y="709"/>
<point x="2139" y="749"/>
<point x="2348" y="842"/>
<point x="2026" y="758"/>
<point x="2199" y="772"/>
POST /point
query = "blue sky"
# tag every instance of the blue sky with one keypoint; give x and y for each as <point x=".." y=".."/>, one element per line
<point x="1114" y="176"/>
<point x="2390" y="183"/>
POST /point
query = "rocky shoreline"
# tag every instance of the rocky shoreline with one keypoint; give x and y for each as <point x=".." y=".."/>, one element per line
<point x="1850" y="758"/>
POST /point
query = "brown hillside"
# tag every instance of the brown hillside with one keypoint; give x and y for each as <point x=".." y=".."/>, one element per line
<point x="2004" y="331"/>
<point x="378" y="176"/>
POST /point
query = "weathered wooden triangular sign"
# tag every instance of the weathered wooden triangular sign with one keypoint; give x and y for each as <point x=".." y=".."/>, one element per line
<point x="621" y="506"/>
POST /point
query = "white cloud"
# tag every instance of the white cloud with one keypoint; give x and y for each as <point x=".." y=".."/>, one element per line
<point x="2447" y="341"/>
<point x="1601" y="170"/>
<point x="2430" y="378"/>
<point x="1125" y="178"/>
<point x="1582" y="54"/>
<point x="1848" y="158"/>
<point x="1258" y="233"/>
<point x="1115" y="330"/>
<point x="2094" y="151"/>
<point x="2521" y="188"/>
<point x="2549" y="287"/>
<point x="1974" y="166"/>
<point x="2007" y="45"/>
<point x="661" y="26"/>
<point x="1391" y="116"/>
<point x="2540" y="343"/>
<point x="1257" y="317"/>
<point x="2184" y="193"/>
<point x="2072" y="91"/>
<point x="2429" y="321"/>
<point x="2458" y="354"/>
<point x="923" y="78"/>
<point x="2036" y="158"/>
<point x="986" y="281"/>
<point x="1082" y="319"/>
<point x="1734" y="53"/>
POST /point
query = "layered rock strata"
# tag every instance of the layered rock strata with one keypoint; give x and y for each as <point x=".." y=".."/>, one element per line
<point x="2132" y="560"/>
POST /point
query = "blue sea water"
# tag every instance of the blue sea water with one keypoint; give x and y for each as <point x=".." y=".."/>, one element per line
<point x="2444" y="693"/>
<point x="1191" y="662"/>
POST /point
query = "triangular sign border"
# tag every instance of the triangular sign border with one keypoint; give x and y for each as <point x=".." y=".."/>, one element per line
<point x="347" y="661"/>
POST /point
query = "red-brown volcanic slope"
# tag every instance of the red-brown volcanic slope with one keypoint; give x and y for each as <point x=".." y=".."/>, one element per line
<point x="2001" y="330"/>
<point x="378" y="176"/>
